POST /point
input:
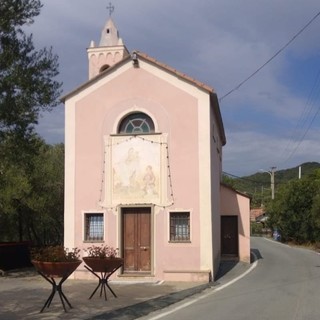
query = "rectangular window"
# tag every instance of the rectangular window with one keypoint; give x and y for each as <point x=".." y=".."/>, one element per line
<point x="94" y="226"/>
<point x="179" y="226"/>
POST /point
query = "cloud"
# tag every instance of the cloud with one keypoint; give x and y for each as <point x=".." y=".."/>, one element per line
<point x="218" y="42"/>
<point x="262" y="151"/>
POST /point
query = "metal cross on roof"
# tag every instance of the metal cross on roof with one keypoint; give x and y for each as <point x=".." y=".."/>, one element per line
<point x="110" y="7"/>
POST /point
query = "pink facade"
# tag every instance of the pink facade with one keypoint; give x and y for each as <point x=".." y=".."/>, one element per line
<point x="143" y="166"/>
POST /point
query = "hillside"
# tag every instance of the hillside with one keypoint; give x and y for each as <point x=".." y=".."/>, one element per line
<point x="258" y="185"/>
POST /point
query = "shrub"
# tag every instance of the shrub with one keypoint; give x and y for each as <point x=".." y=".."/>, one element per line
<point x="55" y="254"/>
<point x="103" y="251"/>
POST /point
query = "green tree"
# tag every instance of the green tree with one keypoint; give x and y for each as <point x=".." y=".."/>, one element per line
<point x="27" y="84"/>
<point x="47" y="198"/>
<point x="31" y="197"/>
<point x="295" y="210"/>
<point x="228" y="181"/>
<point x="315" y="212"/>
<point x="27" y="88"/>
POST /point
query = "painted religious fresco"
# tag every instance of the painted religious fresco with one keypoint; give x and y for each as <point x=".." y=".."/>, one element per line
<point x="136" y="170"/>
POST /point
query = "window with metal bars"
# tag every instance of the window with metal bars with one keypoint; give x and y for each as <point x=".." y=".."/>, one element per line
<point x="179" y="226"/>
<point x="94" y="226"/>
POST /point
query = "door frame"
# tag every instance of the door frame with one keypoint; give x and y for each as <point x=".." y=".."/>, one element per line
<point x="121" y="236"/>
<point x="230" y="255"/>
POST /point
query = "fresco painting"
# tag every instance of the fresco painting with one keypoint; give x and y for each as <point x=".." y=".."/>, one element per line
<point x="136" y="170"/>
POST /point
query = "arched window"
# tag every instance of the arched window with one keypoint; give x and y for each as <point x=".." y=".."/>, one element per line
<point x="104" y="67"/>
<point x="136" y="123"/>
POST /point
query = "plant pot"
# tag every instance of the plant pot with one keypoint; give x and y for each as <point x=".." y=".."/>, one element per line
<point x="56" y="269"/>
<point x="103" y="264"/>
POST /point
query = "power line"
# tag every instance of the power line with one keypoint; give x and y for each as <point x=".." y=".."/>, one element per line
<point x="305" y="133"/>
<point x="258" y="182"/>
<point x="276" y="54"/>
<point x="305" y="115"/>
<point x="242" y="178"/>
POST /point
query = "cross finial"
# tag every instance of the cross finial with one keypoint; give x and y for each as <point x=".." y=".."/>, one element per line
<point x="110" y="7"/>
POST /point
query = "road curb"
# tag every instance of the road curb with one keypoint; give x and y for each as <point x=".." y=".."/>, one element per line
<point x="143" y="309"/>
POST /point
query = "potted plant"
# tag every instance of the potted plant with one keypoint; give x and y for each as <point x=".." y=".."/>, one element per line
<point x="103" y="258"/>
<point x="56" y="261"/>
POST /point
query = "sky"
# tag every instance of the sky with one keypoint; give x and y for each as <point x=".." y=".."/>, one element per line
<point x="271" y="120"/>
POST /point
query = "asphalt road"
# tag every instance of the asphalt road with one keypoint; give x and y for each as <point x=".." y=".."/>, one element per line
<point x="285" y="285"/>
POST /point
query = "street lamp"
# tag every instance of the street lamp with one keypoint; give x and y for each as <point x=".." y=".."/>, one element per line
<point x="271" y="173"/>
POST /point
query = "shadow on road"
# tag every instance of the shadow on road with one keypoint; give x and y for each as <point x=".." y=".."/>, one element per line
<point x="225" y="267"/>
<point x="255" y="255"/>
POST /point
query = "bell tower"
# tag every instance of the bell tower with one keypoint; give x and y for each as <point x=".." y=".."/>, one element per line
<point x="110" y="49"/>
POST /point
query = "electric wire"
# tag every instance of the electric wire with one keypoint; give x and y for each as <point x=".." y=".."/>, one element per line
<point x="307" y="111"/>
<point x="304" y="135"/>
<point x="256" y="182"/>
<point x="242" y="178"/>
<point x="269" y="60"/>
<point x="305" y="115"/>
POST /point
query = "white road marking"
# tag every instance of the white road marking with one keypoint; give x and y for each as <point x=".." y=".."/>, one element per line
<point x="194" y="300"/>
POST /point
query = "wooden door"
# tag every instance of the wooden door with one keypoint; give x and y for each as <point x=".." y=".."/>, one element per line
<point x="229" y="236"/>
<point x="136" y="231"/>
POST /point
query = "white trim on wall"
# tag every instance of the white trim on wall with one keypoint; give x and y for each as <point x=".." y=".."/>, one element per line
<point x="69" y="189"/>
<point x="205" y="188"/>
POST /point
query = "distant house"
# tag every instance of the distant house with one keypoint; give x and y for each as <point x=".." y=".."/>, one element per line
<point x="256" y="212"/>
<point x="143" y="164"/>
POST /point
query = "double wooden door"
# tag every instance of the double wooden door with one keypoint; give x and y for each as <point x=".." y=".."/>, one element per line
<point x="136" y="236"/>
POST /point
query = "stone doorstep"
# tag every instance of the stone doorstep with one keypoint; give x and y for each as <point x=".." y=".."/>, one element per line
<point x="203" y="276"/>
<point x="187" y="275"/>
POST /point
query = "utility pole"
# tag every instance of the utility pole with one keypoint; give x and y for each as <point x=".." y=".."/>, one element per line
<point x="271" y="173"/>
<point x="273" y="170"/>
<point x="299" y="172"/>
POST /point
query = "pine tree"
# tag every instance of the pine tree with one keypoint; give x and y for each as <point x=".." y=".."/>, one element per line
<point x="27" y="85"/>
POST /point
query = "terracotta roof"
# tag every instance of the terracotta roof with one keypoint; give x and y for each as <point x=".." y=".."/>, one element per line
<point x="174" y="71"/>
<point x="214" y="100"/>
<point x="95" y="79"/>
<point x="222" y="184"/>
<point x="149" y="59"/>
